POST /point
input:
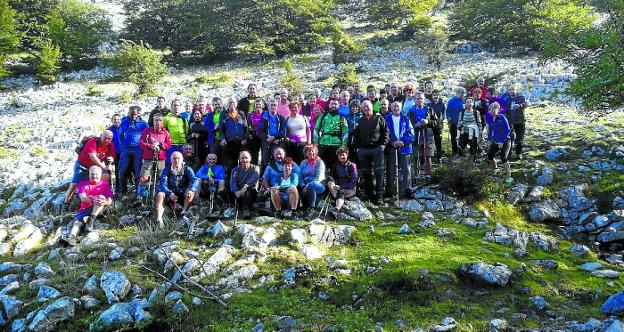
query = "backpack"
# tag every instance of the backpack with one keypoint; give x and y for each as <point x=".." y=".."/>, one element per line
<point x="82" y="142"/>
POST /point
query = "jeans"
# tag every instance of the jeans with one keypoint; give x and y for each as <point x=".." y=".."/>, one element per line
<point x="519" y="129"/>
<point x="404" y="161"/>
<point x="312" y="190"/>
<point x="372" y="159"/>
<point x="132" y="157"/>
<point x="453" y="132"/>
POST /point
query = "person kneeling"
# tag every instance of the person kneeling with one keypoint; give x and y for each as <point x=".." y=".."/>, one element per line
<point x="285" y="189"/>
<point x="94" y="195"/>
<point x="343" y="180"/>
<point x="243" y="183"/>
<point x="177" y="182"/>
<point x="212" y="177"/>
<point x="312" y="176"/>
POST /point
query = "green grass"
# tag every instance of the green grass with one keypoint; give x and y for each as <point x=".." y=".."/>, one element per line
<point x="218" y="80"/>
<point x="6" y="153"/>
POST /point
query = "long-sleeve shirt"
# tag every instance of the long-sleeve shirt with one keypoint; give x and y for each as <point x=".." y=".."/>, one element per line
<point x="371" y="133"/>
<point x="178" y="128"/>
<point x="179" y="182"/>
<point x="241" y="177"/>
<point x="499" y="130"/>
<point x="331" y="130"/>
<point x="291" y="181"/>
<point x="440" y="110"/>
<point x="453" y="108"/>
<point x="345" y="176"/>
<point x="151" y="136"/>
<point x="312" y="171"/>
<point x="130" y="133"/>
<point x="216" y="172"/>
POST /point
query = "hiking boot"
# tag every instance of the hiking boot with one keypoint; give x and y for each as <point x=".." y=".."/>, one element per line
<point x="68" y="240"/>
<point x="287" y="214"/>
<point x="375" y="201"/>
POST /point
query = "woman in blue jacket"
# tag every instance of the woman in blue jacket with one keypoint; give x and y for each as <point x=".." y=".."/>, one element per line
<point x="498" y="136"/>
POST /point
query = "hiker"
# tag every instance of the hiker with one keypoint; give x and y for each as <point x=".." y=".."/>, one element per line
<point x="95" y="195"/>
<point x="189" y="157"/>
<point x="177" y="126"/>
<point x="453" y="108"/>
<point x="330" y="133"/>
<point x="393" y="93"/>
<point x="384" y="107"/>
<point x="371" y="95"/>
<point x="130" y="134"/>
<point x="154" y="141"/>
<point x="370" y="136"/>
<point x="479" y="85"/>
<point x="234" y="128"/>
<point x="354" y="116"/>
<point x="343" y="103"/>
<point x="342" y="183"/>
<point x="424" y="120"/>
<point x="159" y="109"/>
<point x="409" y="92"/>
<point x="114" y="128"/>
<point x="198" y="136"/>
<point x="480" y="104"/>
<point x="283" y="189"/>
<point x="211" y="177"/>
<point x="298" y="133"/>
<point x="271" y="130"/>
<point x="516" y="104"/>
<point x="247" y="103"/>
<point x="498" y="136"/>
<point x="428" y="92"/>
<point x="202" y="105"/>
<point x="438" y="107"/>
<point x="254" y="139"/>
<point x="243" y="183"/>
<point x="177" y="184"/>
<point x="283" y="105"/>
<point x="97" y="151"/>
<point x="469" y="126"/>
<point x="312" y="182"/>
<point x="211" y="123"/>
<point x="399" y="146"/>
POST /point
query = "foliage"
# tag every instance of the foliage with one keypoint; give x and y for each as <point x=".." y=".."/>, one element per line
<point x="31" y="21"/>
<point x="392" y="14"/>
<point x="416" y="26"/>
<point x="465" y="180"/>
<point x="491" y="80"/>
<point x="9" y="35"/>
<point x="344" y="48"/>
<point x="347" y="75"/>
<point x="219" y="28"/>
<point x="596" y="53"/>
<point x="516" y="24"/>
<point x="94" y="91"/>
<point x="125" y="97"/>
<point x="434" y="43"/>
<point x="4" y="71"/>
<point x="49" y="62"/>
<point x="77" y="27"/>
<point x="217" y="80"/>
<point x="290" y="80"/>
<point x="140" y="64"/>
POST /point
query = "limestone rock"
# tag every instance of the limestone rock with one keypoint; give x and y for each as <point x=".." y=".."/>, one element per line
<point x="544" y="211"/>
<point x="115" y="285"/>
<point x="45" y="319"/>
<point x="495" y="275"/>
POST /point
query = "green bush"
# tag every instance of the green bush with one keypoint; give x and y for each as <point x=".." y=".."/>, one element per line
<point x="49" y="62"/>
<point x="9" y="35"/>
<point x="416" y="26"/>
<point x="344" y="48"/>
<point x="140" y="64"/>
<point x="392" y="14"/>
<point x="466" y="180"/>
<point x="217" y="80"/>
<point x="77" y="27"/>
<point x="4" y="71"/>
<point x="125" y="97"/>
<point x="491" y="80"/>
<point x="94" y="91"/>
<point x="435" y="45"/>
<point x="347" y="75"/>
<point x="290" y="80"/>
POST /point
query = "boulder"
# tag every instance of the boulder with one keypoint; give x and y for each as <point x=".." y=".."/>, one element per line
<point x="47" y="293"/>
<point x="12" y="305"/>
<point x="538" y="302"/>
<point x="45" y="319"/>
<point x="312" y="252"/>
<point x="535" y="194"/>
<point x="614" y="305"/>
<point x="115" y="285"/>
<point x="25" y="246"/>
<point x="89" y="302"/>
<point x="608" y="237"/>
<point x="494" y="275"/>
<point x="556" y="153"/>
<point x="405" y="229"/>
<point x="298" y="236"/>
<point x="591" y="266"/>
<point x="118" y="313"/>
<point x="498" y="325"/>
<point x="546" y="178"/>
<point x="356" y="209"/>
<point x="43" y="270"/>
<point x="330" y="236"/>
<point x="579" y="250"/>
<point x="606" y="274"/>
<point x="517" y="193"/>
<point x="544" y="211"/>
<point x="91" y="285"/>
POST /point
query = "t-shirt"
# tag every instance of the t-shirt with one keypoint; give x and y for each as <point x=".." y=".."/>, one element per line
<point x="102" y="151"/>
<point x="396" y="126"/>
<point x="296" y="128"/>
<point x="283" y="109"/>
<point x="93" y="190"/>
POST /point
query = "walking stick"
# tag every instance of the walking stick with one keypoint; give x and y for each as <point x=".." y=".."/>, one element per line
<point x="111" y="169"/>
<point x="426" y="153"/>
<point x="154" y="175"/>
<point x="418" y="159"/>
<point x="396" y="174"/>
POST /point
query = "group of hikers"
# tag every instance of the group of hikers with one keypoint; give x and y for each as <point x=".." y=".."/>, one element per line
<point x="290" y="151"/>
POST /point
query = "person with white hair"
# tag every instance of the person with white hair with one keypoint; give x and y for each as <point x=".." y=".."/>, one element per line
<point x="177" y="184"/>
<point x="244" y="183"/>
<point x="95" y="195"/>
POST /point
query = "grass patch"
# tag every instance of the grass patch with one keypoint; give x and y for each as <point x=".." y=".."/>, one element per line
<point x="38" y="151"/>
<point x="94" y="91"/>
<point x="218" y="80"/>
<point x="125" y="97"/>
<point x="6" y="153"/>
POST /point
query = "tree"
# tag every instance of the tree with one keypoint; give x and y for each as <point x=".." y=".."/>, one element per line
<point x="140" y="64"/>
<point x="49" y="62"/>
<point x="290" y="80"/>
<point x="393" y="14"/>
<point x="9" y="36"/>
<point x="597" y="53"/>
<point x="436" y="45"/>
<point x="347" y="75"/>
<point x="78" y="28"/>
<point x="345" y="49"/>
<point x="31" y="21"/>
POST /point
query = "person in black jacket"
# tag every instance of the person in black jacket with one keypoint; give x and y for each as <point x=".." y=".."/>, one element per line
<point x="439" y="108"/>
<point x="197" y="137"/>
<point x="424" y="120"/>
<point x="246" y="104"/>
<point x="159" y="109"/>
<point x="369" y="137"/>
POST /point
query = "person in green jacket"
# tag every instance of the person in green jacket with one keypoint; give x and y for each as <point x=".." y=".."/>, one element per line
<point x="177" y="126"/>
<point x="331" y="132"/>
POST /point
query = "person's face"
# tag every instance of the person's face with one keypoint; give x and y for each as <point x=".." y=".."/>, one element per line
<point x="117" y="121"/>
<point x="385" y="106"/>
<point x="356" y="88"/>
<point x="350" y="90"/>
<point x="318" y="94"/>
<point x="258" y="107"/>
<point x="310" y="154"/>
<point x="175" y="107"/>
<point x="428" y="87"/>
<point x="494" y="111"/>
<point x="480" y="82"/>
<point x="436" y="97"/>
<point x="176" y="160"/>
<point x="217" y="105"/>
<point x="294" y="109"/>
<point x="211" y="160"/>
<point x="512" y="91"/>
<point x="394" y="89"/>
<point x="312" y="100"/>
<point x="476" y="94"/>
<point x="409" y="92"/>
<point x="252" y="90"/>
<point x="231" y="105"/>
<point x="333" y="105"/>
<point x="107" y="138"/>
<point x="95" y="176"/>
<point x="354" y="109"/>
<point x="187" y="151"/>
<point x="134" y="114"/>
<point x="469" y="103"/>
<point x="367" y="110"/>
<point x="459" y="94"/>
<point x="396" y="109"/>
<point x="317" y="110"/>
<point x="197" y="116"/>
<point x="370" y="95"/>
<point x="273" y="108"/>
<point x="344" y="97"/>
<point x="419" y="100"/>
<point x="383" y="95"/>
<point x="284" y="97"/>
<point x="335" y="94"/>
<point x="244" y="160"/>
<point x="158" y="122"/>
<point x="278" y="155"/>
<point x="342" y="157"/>
<point x="161" y="102"/>
<point x="490" y="95"/>
<point x="288" y="169"/>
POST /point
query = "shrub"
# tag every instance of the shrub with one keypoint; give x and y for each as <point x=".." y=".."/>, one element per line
<point x="347" y="75"/>
<point x="49" y="62"/>
<point x="344" y="48"/>
<point x="435" y="45"/>
<point x="217" y="80"/>
<point x="290" y="80"/>
<point x="466" y="180"/>
<point x="9" y="36"/>
<point x="94" y="91"/>
<point x="4" y="71"/>
<point x="392" y="14"/>
<point x="416" y="26"/>
<point x="140" y="64"/>
<point x="491" y="80"/>
<point x="125" y="97"/>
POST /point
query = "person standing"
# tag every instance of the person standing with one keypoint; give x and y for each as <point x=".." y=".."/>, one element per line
<point x="438" y="107"/>
<point x="516" y="104"/>
<point x="298" y="132"/>
<point x="130" y="134"/>
<point x="424" y="119"/>
<point x="453" y="108"/>
<point x="400" y="147"/>
<point x="498" y="136"/>
<point x="330" y="133"/>
<point x="177" y="126"/>
<point x="234" y="127"/>
<point x="154" y="141"/>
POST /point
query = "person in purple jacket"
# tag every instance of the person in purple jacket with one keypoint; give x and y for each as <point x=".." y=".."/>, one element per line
<point x="342" y="183"/>
<point x="498" y="136"/>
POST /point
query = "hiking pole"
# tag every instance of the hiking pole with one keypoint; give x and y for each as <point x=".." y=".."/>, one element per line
<point x="235" y="212"/>
<point x="418" y="158"/>
<point x="154" y="175"/>
<point x="325" y="206"/>
<point x="111" y="169"/>
<point x="396" y="174"/>
<point x="426" y="153"/>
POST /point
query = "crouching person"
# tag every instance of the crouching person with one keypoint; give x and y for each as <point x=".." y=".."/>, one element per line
<point x="212" y="177"/>
<point x="95" y="195"/>
<point x="243" y="183"/>
<point x="284" y="189"/>
<point x="177" y="183"/>
<point x="342" y="183"/>
<point x="312" y="171"/>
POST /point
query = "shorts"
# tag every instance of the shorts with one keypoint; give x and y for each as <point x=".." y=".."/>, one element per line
<point x="84" y="213"/>
<point x="180" y="197"/>
<point x="81" y="172"/>
<point x="285" y="196"/>
<point x="146" y="168"/>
